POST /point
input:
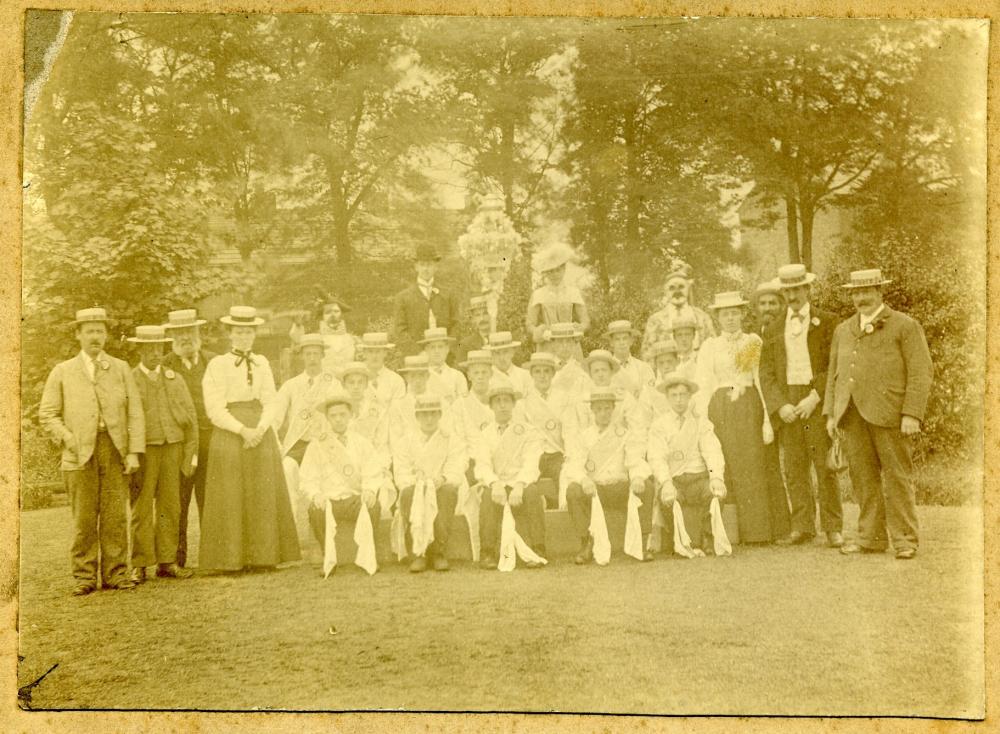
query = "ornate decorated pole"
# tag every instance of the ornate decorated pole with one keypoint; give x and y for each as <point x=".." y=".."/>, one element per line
<point x="489" y="246"/>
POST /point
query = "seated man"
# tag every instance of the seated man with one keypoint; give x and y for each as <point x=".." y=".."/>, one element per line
<point x="503" y="347"/>
<point x="370" y="418"/>
<point x="634" y="373"/>
<point x="686" y="459"/>
<point x="434" y="458"/>
<point x="564" y="341"/>
<point x="472" y="412"/>
<point x="341" y="467"/>
<point x="601" y="367"/>
<point x="507" y="468"/>
<point x="402" y="414"/>
<point x="603" y="460"/>
<point x="443" y="380"/>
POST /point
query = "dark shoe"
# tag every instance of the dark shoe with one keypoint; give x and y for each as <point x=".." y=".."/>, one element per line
<point x="83" y="589"/>
<point x="441" y="563"/>
<point x="123" y="585"/>
<point x="834" y="539"/>
<point x="138" y="575"/>
<point x="533" y="564"/>
<point x="851" y="548"/>
<point x="905" y="554"/>
<point x="647" y="555"/>
<point x="488" y="563"/>
<point x="586" y="554"/>
<point x="796" y="537"/>
<point x="173" y="571"/>
<point x="418" y="565"/>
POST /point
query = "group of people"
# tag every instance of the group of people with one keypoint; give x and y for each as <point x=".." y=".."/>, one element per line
<point x="669" y="425"/>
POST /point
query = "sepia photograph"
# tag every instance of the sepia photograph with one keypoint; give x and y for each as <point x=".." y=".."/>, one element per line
<point x="426" y="363"/>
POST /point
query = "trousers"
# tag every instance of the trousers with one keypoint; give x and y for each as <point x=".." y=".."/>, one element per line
<point x="529" y="520"/>
<point x="344" y="511"/>
<point x="193" y="485"/>
<point x="613" y="497"/>
<point x="156" y="511"/>
<point x="694" y="495"/>
<point x="447" y="498"/>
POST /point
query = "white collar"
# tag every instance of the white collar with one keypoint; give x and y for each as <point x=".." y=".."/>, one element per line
<point x="789" y="312"/>
<point x="869" y="319"/>
<point x="146" y="371"/>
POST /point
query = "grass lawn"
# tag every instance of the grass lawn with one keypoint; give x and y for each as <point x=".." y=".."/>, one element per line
<point x="791" y="631"/>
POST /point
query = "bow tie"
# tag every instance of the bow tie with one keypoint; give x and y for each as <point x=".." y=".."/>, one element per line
<point x="247" y="357"/>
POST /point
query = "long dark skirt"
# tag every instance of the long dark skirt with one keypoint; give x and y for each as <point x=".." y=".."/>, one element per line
<point x="739" y="428"/>
<point x="248" y="517"/>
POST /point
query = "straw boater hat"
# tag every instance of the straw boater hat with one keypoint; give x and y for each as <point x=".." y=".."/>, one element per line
<point x="183" y="318"/>
<point x="311" y="340"/>
<point x="552" y="257"/>
<point x="728" y="299"/>
<point x="866" y="279"/>
<point x="427" y="404"/>
<point x="794" y="275"/>
<point x="376" y="340"/>
<point x="242" y="316"/>
<point x="337" y="397"/>
<point x="768" y="286"/>
<point x="666" y="346"/>
<point x="149" y="335"/>
<point x="354" y="368"/>
<point x="562" y="331"/>
<point x="542" y="359"/>
<point x="600" y="394"/>
<point x="502" y="340"/>
<point x="426" y="252"/>
<point x="416" y="363"/>
<point x="621" y="327"/>
<point x="676" y="378"/>
<point x="502" y="386"/>
<point x="478" y="303"/>
<point x="477" y="356"/>
<point x="91" y="315"/>
<point x="602" y="355"/>
<point x="437" y="334"/>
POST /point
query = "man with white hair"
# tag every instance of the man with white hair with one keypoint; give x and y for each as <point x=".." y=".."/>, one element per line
<point x="661" y="324"/>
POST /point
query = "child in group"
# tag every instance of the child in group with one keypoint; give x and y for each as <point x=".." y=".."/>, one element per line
<point x="472" y="412"/>
<point x="416" y="372"/>
<point x="444" y="381"/>
<point x="634" y="374"/>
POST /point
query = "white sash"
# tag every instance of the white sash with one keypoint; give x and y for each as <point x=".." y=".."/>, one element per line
<point x="364" y="537"/>
<point x="397" y="535"/>
<point x="633" y="530"/>
<point x="599" y="531"/>
<point x="423" y="511"/>
<point x="719" y="538"/>
<point x="512" y="546"/>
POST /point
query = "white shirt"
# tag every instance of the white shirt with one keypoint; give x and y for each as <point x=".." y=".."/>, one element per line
<point x="683" y="444"/>
<point x="798" y="365"/>
<point x="442" y="454"/>
<point x="605" y="456"/>
<point x="151" y="374"/>
<point x="518" y="376"/>
<point x="470" y="416"/>
<point x="403" y="419"/>
<point x="336" y="471"/>
<point x="427" y="288"/>
<point x="508" y="455"/>
<point x="633" y="376"/>
<point x="89" y="364"/>
<point x="865" y="320"/>
<point x="296" y="401"/>
<point x="447" y="383"/>
<point x="387" y="386"/>
<point x="554" y="416"/>
<point x="225" y="383"/>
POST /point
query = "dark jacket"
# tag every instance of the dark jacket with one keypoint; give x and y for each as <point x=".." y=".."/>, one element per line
<point x="192" y="378"/>
<point x="774" y="359"/>
<point x="410" y="315"/>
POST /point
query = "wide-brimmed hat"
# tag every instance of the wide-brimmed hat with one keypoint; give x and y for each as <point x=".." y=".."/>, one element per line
<point x="91" y="315"/>
<point x="427" y="404"/>
<point x="664" y="346"/>
<point x="676" y="378"/>
<point x="437" y="334"/>
<point x="794" y="275"/>
<point x="684" y="321"/>
<point x="477" y="356"/>
<point x="599" y="394"/>
<point x="500" y="385"/>
<point x="149" y="335"/>
<point x="242" y="316"/>
<point x="311" y="340"/>
<point x="376" y="340"/>
<point x="677" y="274"/>
<point x="871" y="278"/>
<point x="552" y="257"/>
<point x="426" y="252"/>
<point x="354" y="368"/>
<point x="502" y="340"/>
<point x="772" y="286"/>
<point x="329" y="300"/>
<point x="565" y="330"/>
<point x="183" y="318"/>
<point x="542" y="359"/>
<point x="336" y="397"/>
<point x="415" y="363"/>
<point x="621" y="326"/>
<point x="728" y="299"/>
<point x="602" y="355"/>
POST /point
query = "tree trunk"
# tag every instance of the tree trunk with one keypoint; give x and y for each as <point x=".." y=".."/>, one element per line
<point x="341" y="218"/>
<point x="807" y="212"/>
<point x="792" y="227"/>
<point x="601" y="245"/>
<point x="632" y="199"/>
<point x="507" y="166"/>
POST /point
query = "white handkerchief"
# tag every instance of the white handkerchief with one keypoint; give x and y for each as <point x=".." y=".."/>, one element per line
<point x="364" y="536"/>
<point x="599" y="532"/>
<point x="682" y="541"/>
<point x="633" y="530"/>
<point x="720" y="540"/>
<point x="512" y="546"/>
<point x="329" y="541"/>
<point x="397" y="535"/>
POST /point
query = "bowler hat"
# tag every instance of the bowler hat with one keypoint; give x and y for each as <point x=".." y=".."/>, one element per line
<point x="426" y="252"/>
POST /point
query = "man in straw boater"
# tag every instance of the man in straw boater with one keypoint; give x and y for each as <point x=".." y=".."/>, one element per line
<point x="370" y="419"/>
<point x="553" y="413"/>
<point x="601" y="367"/>
<point x="878" y="384"/>
<point x="503" y="347"/>
<point x="793" y="363"/>
<point x="563" y="341"/>
<point x="685" y="334"/>
<point x="634" y="374"/>
<point x="189" y="360"/>
<point x="171" y="450"/>
<point x="687" y="462"/>
<point x="91" y="405"/>
<point x="423" y="305"/>
<point x="652" y="403"/>
<point x="661" y="324"/>
<point x="387" y="385"/>
<point x="429" y="467"/>
<point x="769" y="305"/>
<point x="511" y="505"/>
<point x="478" y="335"/>
<point x="472" y="412"/>
<point x="402" y="414"/>
<point x="341" y="475"/>
<point x="605" y="469"/>
<point x="294" y="408"/>
<point x="443" y="380"/>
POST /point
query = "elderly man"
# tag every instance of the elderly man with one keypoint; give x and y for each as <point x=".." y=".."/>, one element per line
<point x="188" y="359"/>
<point x="662" y="323"/>
<point x="793" y="362"/>
<point x="171" y="451"/>
<point x="423" y="305"/>
<point x="878" y="383"/>
<point x="91" y="405"/>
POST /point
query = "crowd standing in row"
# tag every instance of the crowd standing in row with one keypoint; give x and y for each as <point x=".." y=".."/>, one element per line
<point x="696" y="421"/>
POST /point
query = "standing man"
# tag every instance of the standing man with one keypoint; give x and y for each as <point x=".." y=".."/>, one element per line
<point x="503" y="347"/>
<point x="423" y="305"/>
<point x="171" y="451"/>
<point x="189" y="360"/>
<point x="92" y="406"/>
<point x="879" y="382"/>
<point x="793" y="363"/>
<point x="478" y="336"/>
<point x="387" y="386"/>
<point x="661" y="324"/>
<point x="634" y="373"/>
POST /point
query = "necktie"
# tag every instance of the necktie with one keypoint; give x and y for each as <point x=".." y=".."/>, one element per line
<point x="248" y="358"/>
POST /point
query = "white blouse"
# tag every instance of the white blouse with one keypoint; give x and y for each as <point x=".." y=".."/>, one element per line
<point x="226" y="383"/>
<point x="724" y="361"/>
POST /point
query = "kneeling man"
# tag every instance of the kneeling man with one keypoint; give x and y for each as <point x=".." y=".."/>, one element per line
<point x="603" y="460"/>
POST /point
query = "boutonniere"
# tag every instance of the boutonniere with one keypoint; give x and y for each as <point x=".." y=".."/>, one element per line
<point x="814" y="321"/>
<point x="869" y="329"/>
<point x="104" y="365"/>
<point x="169" y="374"/>
<point x="435" y="289"/>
